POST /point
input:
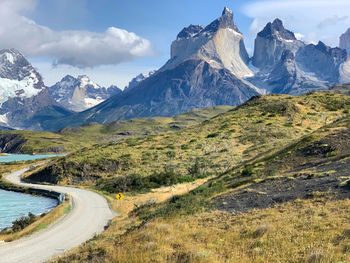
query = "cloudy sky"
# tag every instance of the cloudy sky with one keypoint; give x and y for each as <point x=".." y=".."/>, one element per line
<point x="114" y="40"/>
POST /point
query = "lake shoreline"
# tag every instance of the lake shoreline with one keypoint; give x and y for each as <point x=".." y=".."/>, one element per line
<point x="5" y="185"/>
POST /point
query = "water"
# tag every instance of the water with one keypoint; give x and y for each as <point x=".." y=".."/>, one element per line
<point x="15" y="205"/>
<point x="7" y="158"/>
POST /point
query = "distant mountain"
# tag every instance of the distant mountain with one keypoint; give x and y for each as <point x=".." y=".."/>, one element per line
<point x="139" y="78"/>
<point x="220" y="44"/>
<point x="270" y="44"/>
<point x="18" y="78"/>
<point x="24" y="99"/>
<point x="344" y="41"/>
<point x="79" y="94"/>
<point x="207" y="68"/>
<point x="287" y="65"/>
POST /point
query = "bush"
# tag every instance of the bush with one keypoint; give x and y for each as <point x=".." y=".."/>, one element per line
<point x="247" y="171"/>
<point x="212" y="135"/>
<point x="23" y="222"/>
<point x="137" y="183"/>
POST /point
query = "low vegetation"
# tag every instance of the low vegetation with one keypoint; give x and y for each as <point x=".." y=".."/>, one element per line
<point x="72" y="139"/>
<point x="284" y="198"/>
<point x="259" y="128"/>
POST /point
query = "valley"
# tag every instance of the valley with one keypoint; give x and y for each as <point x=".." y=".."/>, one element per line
<point x="223" y="152"/>
<point x="245" y="210"/>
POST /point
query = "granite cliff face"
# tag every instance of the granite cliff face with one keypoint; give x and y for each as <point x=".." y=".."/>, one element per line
<point x="288" y="65"/>
<point x="344" y="41"/>
<point x="208" y="66"/>
<point x="220" y="44"/>
<point x="321" y="60"/>
<point x="270" y="44"/>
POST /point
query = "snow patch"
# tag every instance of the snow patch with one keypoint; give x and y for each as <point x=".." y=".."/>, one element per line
<point x="25" y="88"/>
<point x="9" y="58"/>
<point x="3" y="119"/>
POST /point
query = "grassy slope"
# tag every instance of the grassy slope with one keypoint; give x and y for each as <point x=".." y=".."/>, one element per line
<point x="72" y="139"/>
<point x="191" y="229"/>
<point x="260" y="127"/>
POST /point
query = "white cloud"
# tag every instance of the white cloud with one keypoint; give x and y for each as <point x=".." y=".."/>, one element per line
<point x="76" y="48"/>
<point x="315" y="19"/>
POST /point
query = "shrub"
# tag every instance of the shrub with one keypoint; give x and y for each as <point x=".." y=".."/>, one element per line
<point x="247" y="171"/>
<point x="213" y="135"/>
<point x="137" y="183"/>
<point x="23" y="222"/>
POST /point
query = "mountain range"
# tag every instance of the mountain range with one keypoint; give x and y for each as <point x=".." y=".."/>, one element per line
<point x="209" y="66"/>
<point x="81" y="93"/>
<point x="26" y="102"/>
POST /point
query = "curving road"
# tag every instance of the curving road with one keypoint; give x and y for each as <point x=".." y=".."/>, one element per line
<point x="89" y="215"/>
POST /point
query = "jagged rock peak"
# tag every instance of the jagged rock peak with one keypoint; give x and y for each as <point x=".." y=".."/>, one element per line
<point x="190" y="31"/>
<point x="225" y="21"/>
<point x="276" y="29"/>
<point x="68" y="78"/>
<point x="322" y="47"/>
<point x="337" y="53"/>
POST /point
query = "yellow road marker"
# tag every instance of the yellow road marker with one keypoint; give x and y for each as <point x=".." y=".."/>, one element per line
<point x="119" y="196"/>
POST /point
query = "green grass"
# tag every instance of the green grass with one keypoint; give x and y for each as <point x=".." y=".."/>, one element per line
<point x="73" y="139"/>
<point x="255" y="129"/>
<point x="274" y="136"/>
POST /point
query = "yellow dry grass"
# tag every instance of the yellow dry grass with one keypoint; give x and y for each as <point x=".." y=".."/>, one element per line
<point x="303" y="231"/>
<point x="159" y="195"/>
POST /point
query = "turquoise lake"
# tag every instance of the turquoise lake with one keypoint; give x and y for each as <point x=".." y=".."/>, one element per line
<point x="15" y="205"/>
<point x="8" y="158"/>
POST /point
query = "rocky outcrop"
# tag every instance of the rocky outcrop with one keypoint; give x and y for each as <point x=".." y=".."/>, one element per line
<point x="11" y="143"/>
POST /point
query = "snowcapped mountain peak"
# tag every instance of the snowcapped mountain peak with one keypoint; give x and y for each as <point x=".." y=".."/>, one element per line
<point x="18" y="78"/>
<point x="81" y="93"/>
<point x="86" y="81"/>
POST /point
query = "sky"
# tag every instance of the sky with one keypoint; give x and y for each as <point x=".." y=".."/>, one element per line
<point x="112" y="41"/>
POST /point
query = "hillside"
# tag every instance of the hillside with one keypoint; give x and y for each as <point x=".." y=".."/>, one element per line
<point x="72" y="139"/>
<point x="286" y="203"/>
<point x="259" y="127"/>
